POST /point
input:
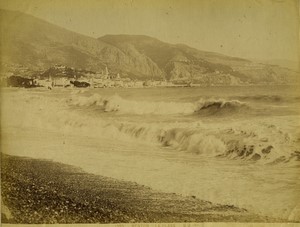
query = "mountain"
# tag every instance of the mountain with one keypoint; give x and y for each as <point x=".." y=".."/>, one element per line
<point x="37" y="44"/>
<point x="181" y="62"/>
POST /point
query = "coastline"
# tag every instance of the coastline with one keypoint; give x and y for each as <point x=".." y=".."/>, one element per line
<point x="44" y="192"/>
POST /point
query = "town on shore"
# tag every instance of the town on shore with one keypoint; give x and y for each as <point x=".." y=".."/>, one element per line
<point x="63" y="76"/>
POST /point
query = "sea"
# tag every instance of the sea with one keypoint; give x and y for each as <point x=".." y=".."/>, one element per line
<point x="228" y="145"/>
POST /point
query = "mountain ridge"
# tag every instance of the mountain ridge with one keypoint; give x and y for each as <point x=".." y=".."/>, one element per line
<point x="36" y="43"/>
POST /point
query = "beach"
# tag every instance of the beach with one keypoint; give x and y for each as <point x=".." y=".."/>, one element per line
<point x="41" y="191"/>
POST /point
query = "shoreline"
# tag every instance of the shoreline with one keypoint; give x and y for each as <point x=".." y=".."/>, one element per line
<point x="44" y="192"/>
<point x="151" y="87"/>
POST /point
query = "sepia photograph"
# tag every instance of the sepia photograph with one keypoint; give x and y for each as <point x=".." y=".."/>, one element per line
<point x="150" y="113"/>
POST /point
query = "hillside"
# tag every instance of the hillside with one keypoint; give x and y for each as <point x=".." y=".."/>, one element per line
<point x="32" y="42"/>
<point x="37" y="44"/>
<point x="181" y="62"/>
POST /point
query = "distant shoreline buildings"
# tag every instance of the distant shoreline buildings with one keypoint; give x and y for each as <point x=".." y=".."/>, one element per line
<point x="63" y="76"/>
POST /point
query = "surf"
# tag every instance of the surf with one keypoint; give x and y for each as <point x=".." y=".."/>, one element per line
<point x="118" y="104"/>
<point x="262" y="141"/>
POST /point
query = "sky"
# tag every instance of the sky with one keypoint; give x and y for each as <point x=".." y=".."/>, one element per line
<point x="254" y="29"/>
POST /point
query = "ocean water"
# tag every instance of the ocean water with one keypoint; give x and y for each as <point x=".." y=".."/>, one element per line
<point x="229" y="145"/>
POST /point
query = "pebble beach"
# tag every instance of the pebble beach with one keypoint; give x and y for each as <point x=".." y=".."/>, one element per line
<point x="36" y="191"/>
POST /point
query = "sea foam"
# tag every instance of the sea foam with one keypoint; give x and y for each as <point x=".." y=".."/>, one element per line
<point x="116" y="103"/>
<point x="266" y="141"/>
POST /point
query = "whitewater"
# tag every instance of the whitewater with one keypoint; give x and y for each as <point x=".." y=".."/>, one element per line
<point x="229" y="145"/>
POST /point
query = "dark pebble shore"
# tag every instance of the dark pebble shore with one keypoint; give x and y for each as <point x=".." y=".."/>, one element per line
<point x="41" y="191"/>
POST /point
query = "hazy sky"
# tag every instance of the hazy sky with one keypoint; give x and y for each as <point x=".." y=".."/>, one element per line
<point x="261" y="29"/>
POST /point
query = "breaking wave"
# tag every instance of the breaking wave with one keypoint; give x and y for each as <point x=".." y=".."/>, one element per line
<point x="220" y="106"/>
<point x="261" y="141"/>
<point x="118" y="104"/>
<point x="243" y="142"/>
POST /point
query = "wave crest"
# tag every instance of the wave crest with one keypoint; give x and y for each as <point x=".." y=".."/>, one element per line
<point x="116" y="103"/>
<point x="242" y="142"/>
<point x="220" y="106"/>
<point x="271" y="141"/>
